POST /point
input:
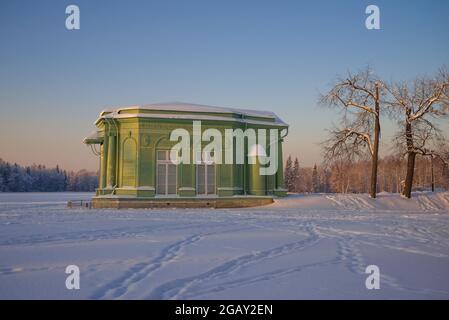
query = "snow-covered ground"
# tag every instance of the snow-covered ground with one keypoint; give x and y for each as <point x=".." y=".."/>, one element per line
<point x="307" y="246"/>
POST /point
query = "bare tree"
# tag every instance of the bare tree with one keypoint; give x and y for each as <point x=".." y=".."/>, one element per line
<point x="359" y="97"/>
<point x="418" y="106"/>
<point x="345" y="176"/>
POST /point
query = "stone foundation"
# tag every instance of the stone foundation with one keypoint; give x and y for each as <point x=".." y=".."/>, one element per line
<point x="175" y="202"/>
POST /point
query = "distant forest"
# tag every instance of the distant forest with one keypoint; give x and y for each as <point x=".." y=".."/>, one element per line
<point x="38" y="178"/>
<point x="354" y="176"/>
<point x="340" y="177"/>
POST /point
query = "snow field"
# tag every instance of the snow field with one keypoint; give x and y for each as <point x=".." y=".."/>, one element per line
<point x="300" y="247"/>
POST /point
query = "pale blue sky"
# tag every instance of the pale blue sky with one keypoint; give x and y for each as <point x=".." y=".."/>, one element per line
<point x="267" y="55"/>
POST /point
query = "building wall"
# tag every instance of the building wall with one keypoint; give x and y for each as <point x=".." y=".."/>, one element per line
<point x="128" y="160"/>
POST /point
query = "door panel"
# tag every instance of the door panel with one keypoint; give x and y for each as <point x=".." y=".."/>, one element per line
<point x="171" y="179"/>
<point x="205" y="179"/>
<point x="201" y="189"/>
<point x="161" y="179"/>
<point x="210" y="180"/>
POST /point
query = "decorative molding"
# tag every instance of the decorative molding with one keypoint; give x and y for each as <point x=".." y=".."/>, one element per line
<point x="145" y="140"/>
<point x="229" y="188"/>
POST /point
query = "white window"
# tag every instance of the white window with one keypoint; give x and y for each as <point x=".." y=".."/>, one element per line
<point x="166" y="174"/>
<point x="205" y="176"/>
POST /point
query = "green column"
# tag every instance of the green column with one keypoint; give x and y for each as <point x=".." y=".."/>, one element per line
<point x="186" y="180"/>
<point x="245" y="169"/>
<point x="103" y="163"/>
<point x="256" y="180"/>
<point x="111" y="178"/>
<point x="270" y="179"/>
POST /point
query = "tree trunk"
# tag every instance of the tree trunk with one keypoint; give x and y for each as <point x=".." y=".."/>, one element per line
<point x="411" y="155"/>
<point x="432" y="174"/>
<point x="375" y="156"/>
<point x="409" y="177"/>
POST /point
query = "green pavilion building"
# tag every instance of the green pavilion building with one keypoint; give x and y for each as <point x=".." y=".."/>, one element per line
<point x="137" y="170"/>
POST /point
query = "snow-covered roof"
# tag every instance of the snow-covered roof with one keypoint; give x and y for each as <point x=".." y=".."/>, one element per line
<point x="94" y="137"/>
<point x="181" y="110"/>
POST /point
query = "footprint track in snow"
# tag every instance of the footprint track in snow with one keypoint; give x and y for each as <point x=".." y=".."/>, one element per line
<point x="178" y="288"/>
<point x="139" y="271"/>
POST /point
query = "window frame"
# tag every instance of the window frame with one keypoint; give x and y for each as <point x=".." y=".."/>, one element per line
<point x="165" y="163"/>
<point x="207" y="166"/>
